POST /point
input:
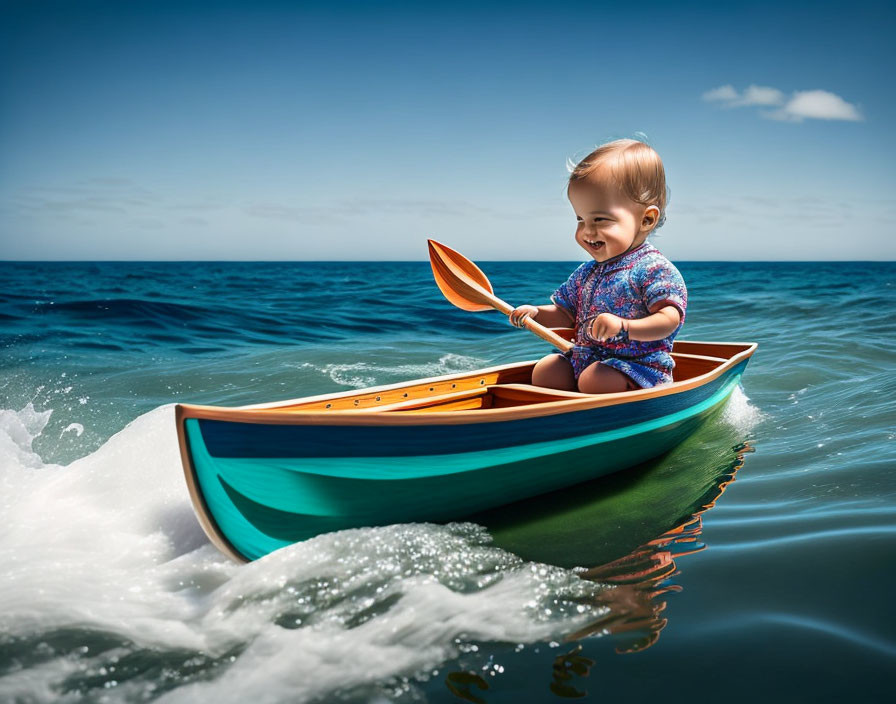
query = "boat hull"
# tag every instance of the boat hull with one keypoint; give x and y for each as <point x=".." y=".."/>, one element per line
<point x="259" y="486"/>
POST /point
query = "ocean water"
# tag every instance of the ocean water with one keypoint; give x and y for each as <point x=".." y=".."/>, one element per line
<point x="755" y="561"/>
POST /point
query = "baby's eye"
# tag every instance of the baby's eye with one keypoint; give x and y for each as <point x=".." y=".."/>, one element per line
<point x="599" y="219"/>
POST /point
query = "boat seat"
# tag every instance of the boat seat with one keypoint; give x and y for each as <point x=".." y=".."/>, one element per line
<point x="688" y="355"/>
<point x="427" y="400"/>
<point x="687" y="366"/>
<point x="538" y="391"/>
<point x="515" y="394"/>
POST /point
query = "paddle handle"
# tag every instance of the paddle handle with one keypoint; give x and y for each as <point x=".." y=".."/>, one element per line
<point x="548" y="335"/>
<point x="544" y="333"/>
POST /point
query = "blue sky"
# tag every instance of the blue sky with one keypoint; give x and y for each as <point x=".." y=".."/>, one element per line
<point x="346" y="131"/>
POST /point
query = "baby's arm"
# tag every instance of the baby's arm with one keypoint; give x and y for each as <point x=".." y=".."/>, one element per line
<point x="654" y="327"/>
<point x="551" y="316"/>
<point x="666" y="297"/>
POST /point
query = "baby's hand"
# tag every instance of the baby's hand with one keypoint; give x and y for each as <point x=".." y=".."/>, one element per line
<point x="519" y="314"/>
<point x="605" y="326"/>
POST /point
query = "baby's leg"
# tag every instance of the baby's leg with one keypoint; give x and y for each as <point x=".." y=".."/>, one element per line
<point x="554" y="372"/>
<point x="598" y="378"/>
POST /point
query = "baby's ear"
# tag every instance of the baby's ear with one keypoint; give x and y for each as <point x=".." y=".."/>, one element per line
<point x="651" y="216"/>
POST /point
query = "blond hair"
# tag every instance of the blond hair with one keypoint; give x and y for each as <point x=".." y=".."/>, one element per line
<point x="633" y="166"/>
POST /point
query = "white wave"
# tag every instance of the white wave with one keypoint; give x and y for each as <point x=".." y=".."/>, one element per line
<point x="362" y="374"/>
<point x="109" y="545"/>
<point x="740" y="413"/>
<point x="77" y="427"/>
<point x="17" y="432"/>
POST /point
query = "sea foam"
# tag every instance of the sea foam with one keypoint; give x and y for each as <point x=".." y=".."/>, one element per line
<point x="106" y="567"/>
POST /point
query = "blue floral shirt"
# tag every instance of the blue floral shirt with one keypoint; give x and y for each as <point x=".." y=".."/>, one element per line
<point x="630" y="286"/>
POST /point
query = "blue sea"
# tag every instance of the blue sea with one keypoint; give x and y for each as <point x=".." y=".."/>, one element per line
<point x="755" y="562"/>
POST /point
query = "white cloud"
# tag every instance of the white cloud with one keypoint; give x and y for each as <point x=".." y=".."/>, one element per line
<point x="817" y="104"/>
<point x="762" y="95"/>
<point x="725" y="93"/>
<point x="753" y="95"/>
<point x="801" y="105"/>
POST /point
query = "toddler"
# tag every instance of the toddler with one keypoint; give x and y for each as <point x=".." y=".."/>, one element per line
<point x="627" y="302"/>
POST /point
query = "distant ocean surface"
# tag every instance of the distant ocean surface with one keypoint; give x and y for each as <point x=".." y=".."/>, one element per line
<point x="753" y="563"/>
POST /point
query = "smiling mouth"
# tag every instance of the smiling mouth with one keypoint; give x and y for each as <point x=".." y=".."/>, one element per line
<point x="596" y="245"/>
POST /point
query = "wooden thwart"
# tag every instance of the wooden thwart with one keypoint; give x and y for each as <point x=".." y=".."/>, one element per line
<point x="518" y="394"/>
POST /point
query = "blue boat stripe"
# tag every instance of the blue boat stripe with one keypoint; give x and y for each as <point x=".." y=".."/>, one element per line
<point x="257" y="440"/>
<point x="387" y="468"/>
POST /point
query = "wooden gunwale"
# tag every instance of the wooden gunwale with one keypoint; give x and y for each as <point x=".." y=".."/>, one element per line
<point x="274" y="415"/>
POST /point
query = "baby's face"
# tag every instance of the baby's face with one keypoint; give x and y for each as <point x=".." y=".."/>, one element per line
<point x="607" y="222"/>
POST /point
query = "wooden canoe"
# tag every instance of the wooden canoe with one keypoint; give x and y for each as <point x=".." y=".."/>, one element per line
<point x="265" y="476"/>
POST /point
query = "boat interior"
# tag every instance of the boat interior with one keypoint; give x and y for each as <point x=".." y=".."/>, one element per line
<point x="500" y="387"/>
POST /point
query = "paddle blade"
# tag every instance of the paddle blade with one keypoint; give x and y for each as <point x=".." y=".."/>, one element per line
<point x="464" y="285"/>
<point x="459" y="279"/>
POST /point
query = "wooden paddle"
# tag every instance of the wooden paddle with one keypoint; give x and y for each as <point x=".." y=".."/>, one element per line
<point x="464" y="285"/>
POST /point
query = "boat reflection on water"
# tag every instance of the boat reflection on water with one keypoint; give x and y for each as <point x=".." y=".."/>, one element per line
<point x="640" y="579"/>
<point x="628" y="531"/>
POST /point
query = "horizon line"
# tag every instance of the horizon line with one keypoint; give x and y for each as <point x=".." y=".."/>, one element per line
<point x="412" y="261"/>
